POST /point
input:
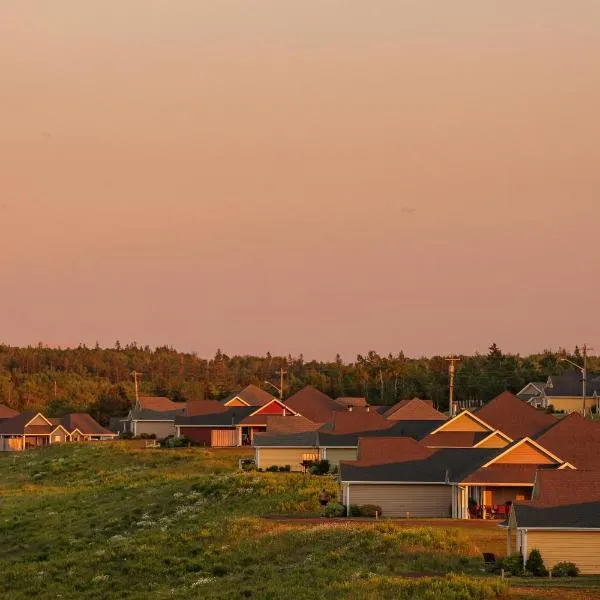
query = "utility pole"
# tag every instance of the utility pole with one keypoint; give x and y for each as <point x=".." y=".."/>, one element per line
<point x="279" y="389"/>
<point x="584" y="377"/>
<point x="451" y="369"/>
<point x="137" y="390"/>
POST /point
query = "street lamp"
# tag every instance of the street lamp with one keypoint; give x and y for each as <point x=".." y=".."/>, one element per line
<point x="583" y="371"/>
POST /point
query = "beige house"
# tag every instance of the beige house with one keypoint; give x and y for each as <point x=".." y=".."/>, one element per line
<point x="153" y="416"/>
<point x="30" y="430"/>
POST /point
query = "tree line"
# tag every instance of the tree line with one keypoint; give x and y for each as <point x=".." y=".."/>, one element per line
<point x="99" y="380"/>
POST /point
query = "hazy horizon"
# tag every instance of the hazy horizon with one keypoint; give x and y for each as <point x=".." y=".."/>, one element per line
<point x="310" y="178"/>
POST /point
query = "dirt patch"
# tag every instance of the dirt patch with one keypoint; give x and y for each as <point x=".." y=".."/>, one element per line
<point x="554" y="594"/>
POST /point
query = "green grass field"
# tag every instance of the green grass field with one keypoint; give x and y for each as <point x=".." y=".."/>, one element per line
<point x="113" y="520"/>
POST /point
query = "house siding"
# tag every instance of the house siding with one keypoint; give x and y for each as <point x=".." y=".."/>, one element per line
<point x="161" y="429"/>
<point x="280" y="457"/>
<point x="495" y="441"/>
<point x="334" y="455"/>
<point x="202" y="435"/>
<point x="224" y="438"/>
<point x="420" y="501"/>
<point x="464" y="423"/>
<point x="571" y="403"/>
<point x="525" y="455"/>
<point x="580" y="547"/>
<point x="58" y="437"/>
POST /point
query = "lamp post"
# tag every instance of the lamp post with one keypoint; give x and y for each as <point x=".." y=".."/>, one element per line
<point x="583" y="371"/>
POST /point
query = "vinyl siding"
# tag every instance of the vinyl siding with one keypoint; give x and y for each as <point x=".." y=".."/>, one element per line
<point x="268" y="457"/>
<point x="236" y="402"/>
<point x="334" y="455"/>
<point x="38" y="420"/>
<point x="525" y="454"/>
<point x="223" y="438"/>
<point x="420" y="501"/>
<point x="58" y="437"/>
<point x="495" y="441"/>
<point x="580" y="547"/>
<point x="464" y="423"/>
<point x="571" y="404"/>
<point x="161" y="429"/>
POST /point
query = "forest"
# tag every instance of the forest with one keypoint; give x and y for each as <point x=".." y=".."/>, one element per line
<point x="100" y="380"/>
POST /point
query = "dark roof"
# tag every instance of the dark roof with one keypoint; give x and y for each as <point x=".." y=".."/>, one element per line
<point x="232" y="416"/>
<point x="85" y="423"/>
<point x="144" y="414"/>
<point x="570" y="516"/>
<point x="416" y="429"/>
<point x="454" y="439"/>
<point x="295" y="440"/>
<point x="414" y="409"/>
<point x="446" y="464"/>
<point x="252" y="395"/>
<point x="16" y="425"/>
<point x="571" y="384"/>
<point x="558" y="487"/>
<point x="313" y="404"/>
<point x="6" y="412"/>
<point x="514" y="417"/>
<point x="575" y="439"/>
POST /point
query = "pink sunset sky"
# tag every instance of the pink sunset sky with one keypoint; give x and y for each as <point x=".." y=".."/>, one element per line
<point x="319" y="176"/>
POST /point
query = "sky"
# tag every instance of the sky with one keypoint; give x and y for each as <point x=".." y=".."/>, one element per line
<point x="313" y="177"/>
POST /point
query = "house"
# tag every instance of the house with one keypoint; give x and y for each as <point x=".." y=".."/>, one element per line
<point x="565" y="393"/>
<point x="413" y="410"/>
<point x="153" y="415"/>
<point x="562" y="521"/>
<point x="514" y="417"/>
<point x="443" y="482"/>
<point x="531" y="391"/>
<point x="7" y="413"/>
<point x="230" y="425"/>
<point x="466" y="430"/>
<point x="251" y="395"/>
<point x="314" y="405"/>
<point x="30" y="430"/>
<point x="83" y="427"/>
<point x="575" y="439"/>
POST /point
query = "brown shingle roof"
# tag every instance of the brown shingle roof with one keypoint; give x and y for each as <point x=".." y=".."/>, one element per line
<point x="382" y="450"/>
<point x="566" y="486"/>
<point x="85" y="423"/>
<point x="252" y="395"/>
<point x="454" y="439"/>
<point x="346" y="401"/>
<point x="414" y="409"/>
<point x="354" y="421"/>
<point x="16" y="425"/>
<point x="313" y="404"/>
<point x="204" y="407"/>
<point x="159" y="403"/>
<point x="513" y="473"/>
<point x="514" y="417"/>
<point x="575" y="439"/>
<point x="7" y="413"/>
<point x="289" y="424"/>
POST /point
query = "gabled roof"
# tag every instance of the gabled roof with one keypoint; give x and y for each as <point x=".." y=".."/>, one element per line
<point x="302" y="439"/>
<point x="448" y="465"/>
<point x="455" y="439"/>
<point x="18" y="425"/>
<point x="414" y="429"/>
<point x="414" y="409"/>
<point x="346" y="401"/>
<point x="86" y="424"/>
<point x="287" y="424"/>
<point x="570" y="516"/>
<point x="575" y="439"/>
<point x="465" y="414"/>
<point x="144" y="414"/>
<point x="313" y="404"/>
<point x="203" y="407"/>
<point x="493" y="434"/>
<point x="228" y="418"/>
<point x="358" y="419"/>
<point x="503" y="452"/>
<point x="560" y="487"/>
<point x="251" y="395"/>
<point x="375" y="450"/>
<point x="514" y="417"/>
<point x="7" y="413"/>
<point x="159" y="404"/>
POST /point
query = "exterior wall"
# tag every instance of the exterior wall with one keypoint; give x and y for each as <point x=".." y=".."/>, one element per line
<point x="334" y="455"/>
<point x="525" y="455"/>
<point x="236" y="402"/>
<point x="495" y="441"/>
<point x="580" y="547"/>
<point x="38" y="420"/>
<point x="272" y="409"/>
<point x="420" y="501"/>
<point x="11" y="444"/>
<point x="267" y="457"/>
<point x="224" y="438"/>
<point x="464" y="423"/>
<point x="161" y="429"/>
<point x="58" y="437"/>
<point x="571" y="403"/>
<point x="202" y="435"/>
<point x="492" y="496"/>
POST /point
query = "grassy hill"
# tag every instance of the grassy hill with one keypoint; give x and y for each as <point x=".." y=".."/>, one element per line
<point x="118" y="521"/>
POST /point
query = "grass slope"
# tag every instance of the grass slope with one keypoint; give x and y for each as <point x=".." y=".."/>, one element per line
<point x="113" y="520"/>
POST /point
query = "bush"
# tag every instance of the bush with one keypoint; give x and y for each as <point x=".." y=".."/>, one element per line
<point x="145" y="436"/>
<point x="182" y="441"/>
<point x="370" y="510"/>
<point x="285" y="469"/>
<point x="565" y="569"/>
<point x="126" y="435"/>
<point x="535" y="564"/>
<point x="272" y="469"/>
<point x="319" y="467"/>
<point x="333" y="509"/>
<point x="550" y="409"/>
<point x="354" y="511"/>
<point x="513" y="563"/>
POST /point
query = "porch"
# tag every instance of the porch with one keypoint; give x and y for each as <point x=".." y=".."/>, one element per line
<point x="487" y="501"/>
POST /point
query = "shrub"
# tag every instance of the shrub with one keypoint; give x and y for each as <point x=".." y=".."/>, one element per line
<point x="319" y="467"/>
<point x="145" y="436"/>
<point x="550" y="409"/>
<point x="272" y="469"/>
<point x="370" y="510"/>
<point x="173" y="441"/>
<point x="285" y="469"/>
<point x="513" y="563"/>
<point x="219" y="570"/>
<point x="565" y="569"/>
<point x="535" y="564"/>
<point x="354" y="511"/>
<point x="333" y="509"/>
<point x="126" y="435"/>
